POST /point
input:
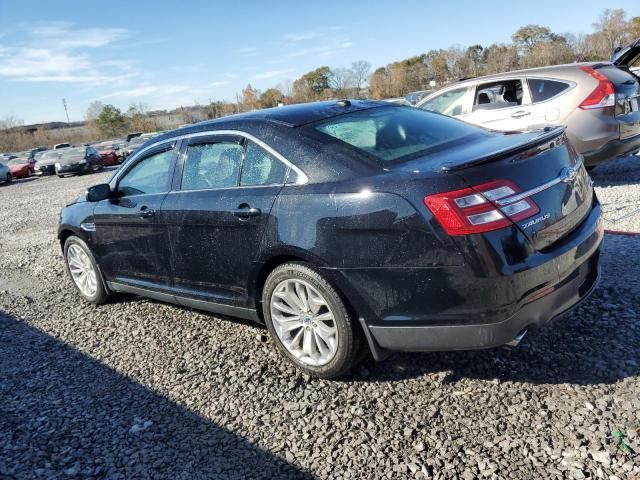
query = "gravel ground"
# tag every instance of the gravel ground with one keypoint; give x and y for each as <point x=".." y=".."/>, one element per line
<point x="618" y="187"/>
<point x="138" y="389"/>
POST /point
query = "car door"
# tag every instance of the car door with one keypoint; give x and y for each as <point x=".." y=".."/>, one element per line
<point x="502" y="104"/>
<point x="226" y="188"/>
<point x="132" y="244"/>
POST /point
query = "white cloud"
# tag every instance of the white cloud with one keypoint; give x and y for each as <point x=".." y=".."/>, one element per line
<point x="301" y="37"/>
<point x="323" y="51"/>
<point x="219" y="83"/>
<point x="57" y="52"/>
<point x="147" y="90"/>
<point x="247" y="51"/>
<point x="270" y="74"/>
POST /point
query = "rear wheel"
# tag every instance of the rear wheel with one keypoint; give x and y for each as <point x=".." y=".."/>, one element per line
<point x="84" y="271"/>
<point x="8" y="179"/>
<point x="309" y="322"/>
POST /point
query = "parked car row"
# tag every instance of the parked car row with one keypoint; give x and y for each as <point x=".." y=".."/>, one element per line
<point x="598" y="102"/>
<point x="66" y="159"/>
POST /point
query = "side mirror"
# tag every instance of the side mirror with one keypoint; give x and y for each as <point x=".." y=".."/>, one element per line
<point x="98" y="192"/>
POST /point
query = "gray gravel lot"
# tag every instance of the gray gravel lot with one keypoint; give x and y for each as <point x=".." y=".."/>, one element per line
<point x="138" y="389"/>
<point x="618" y="187"/>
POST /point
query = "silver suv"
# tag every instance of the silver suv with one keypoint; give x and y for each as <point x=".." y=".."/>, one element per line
<point x="598" y="102"/>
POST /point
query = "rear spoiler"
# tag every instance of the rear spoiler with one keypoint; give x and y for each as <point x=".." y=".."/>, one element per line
<point x="547" y="134"/>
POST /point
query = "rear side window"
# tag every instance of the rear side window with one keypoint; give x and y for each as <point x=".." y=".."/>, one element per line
<point x="499" y="94"/>
<point x="542" y="90"/>
<point x="396" y="133"/>
<point x="212" y="165"/>
<point x="261" y="168"/>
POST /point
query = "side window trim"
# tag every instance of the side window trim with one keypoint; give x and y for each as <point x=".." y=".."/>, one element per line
<point x="148" y="152"/>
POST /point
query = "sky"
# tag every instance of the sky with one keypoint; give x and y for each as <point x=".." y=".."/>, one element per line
<point x="166" y="54"/>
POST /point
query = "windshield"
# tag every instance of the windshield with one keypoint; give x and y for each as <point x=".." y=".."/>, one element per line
<point x="137" y="141"/>
<point x="396" y="133"/>
<point x="19" y="161"/>
<point x="48" y="155"/>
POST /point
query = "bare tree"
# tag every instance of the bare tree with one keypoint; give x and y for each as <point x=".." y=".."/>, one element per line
<point x="342" y="81"/>
<point x="361" y="73"/>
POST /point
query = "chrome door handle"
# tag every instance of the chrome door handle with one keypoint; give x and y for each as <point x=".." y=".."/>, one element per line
<point x="246" y="212"/>
<point x="520" y="114"/>
<point x="147" y="212"/>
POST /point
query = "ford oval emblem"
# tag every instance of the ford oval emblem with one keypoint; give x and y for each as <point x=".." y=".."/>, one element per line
<point x="569" y="175"/>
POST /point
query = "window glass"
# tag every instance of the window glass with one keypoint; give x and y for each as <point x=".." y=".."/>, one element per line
<point x="211" y="165"/>
<point x="542" y="90"/>
<point x="261" y="168"/>
<point x="500" y="94"/>
<point x="396" y="133"/>
<point x="449" y="103"/>
<point x="150" y="175"/>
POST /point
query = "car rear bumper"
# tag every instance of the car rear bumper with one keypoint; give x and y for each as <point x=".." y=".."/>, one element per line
<point x="474" y="312"/>
<point x="612" y="149"/>
<point x="566" y="296"/>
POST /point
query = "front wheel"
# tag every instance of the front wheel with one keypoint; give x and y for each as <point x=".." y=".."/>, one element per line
<point x="84" y="271"/>
<point x="8" y="179"/>
<point x="308" y="321"/>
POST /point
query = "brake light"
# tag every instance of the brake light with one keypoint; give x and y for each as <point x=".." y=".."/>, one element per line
<point x="603" y="95"/>
<point x="472" y="210"/>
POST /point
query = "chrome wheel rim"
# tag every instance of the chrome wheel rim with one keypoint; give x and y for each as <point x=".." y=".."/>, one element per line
<point x="82" y="271"/>
<point x="304" y="322"/>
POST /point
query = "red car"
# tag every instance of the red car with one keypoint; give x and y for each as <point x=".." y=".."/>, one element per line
<point x="108" y="154"/>
<point x="22" y="167"/>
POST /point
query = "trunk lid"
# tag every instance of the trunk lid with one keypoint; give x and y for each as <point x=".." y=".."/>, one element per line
<point x="543" y="167"/>
<point x="626" y="56"/>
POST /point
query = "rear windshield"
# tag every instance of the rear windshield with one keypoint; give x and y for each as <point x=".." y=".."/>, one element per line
<point x="71" y="153"/>
<point x="396" y="133"/>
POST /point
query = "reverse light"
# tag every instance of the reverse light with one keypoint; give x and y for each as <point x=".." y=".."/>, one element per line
<point x="471" y="210"/>
<point x="603" y="95"/>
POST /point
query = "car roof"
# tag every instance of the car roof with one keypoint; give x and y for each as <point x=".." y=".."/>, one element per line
<point x="300" y="114"/>
<point x="532" y="71"/>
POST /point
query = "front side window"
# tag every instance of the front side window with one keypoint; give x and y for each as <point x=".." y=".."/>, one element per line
<point x="542" y="90"/>
<point x="261" y="168"/>
<point x="397" y="133"/>
<point x="212" y="165"/>
<point x="149" y="175"/>
<point x="448" y="103"/>
<point x="500" y="94"/>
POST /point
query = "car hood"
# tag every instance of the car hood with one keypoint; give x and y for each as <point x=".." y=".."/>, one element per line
<point x="624" y="56"/>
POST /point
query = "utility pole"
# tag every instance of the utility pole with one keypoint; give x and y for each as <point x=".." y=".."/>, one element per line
<point x="64" y="104"/>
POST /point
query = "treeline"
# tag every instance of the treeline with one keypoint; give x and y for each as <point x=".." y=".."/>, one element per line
<point x="530" y="46"/>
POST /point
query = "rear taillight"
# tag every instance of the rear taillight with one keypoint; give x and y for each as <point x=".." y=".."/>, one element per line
<point x="472" y="210"/>
<point x="603" y="95"/>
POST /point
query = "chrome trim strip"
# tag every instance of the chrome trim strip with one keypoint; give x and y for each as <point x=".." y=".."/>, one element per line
<point x="302" y="177"/>
<point x="566" y="175"/>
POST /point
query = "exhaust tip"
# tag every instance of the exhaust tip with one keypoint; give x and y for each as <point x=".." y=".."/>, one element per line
<point x="517" y="339"/>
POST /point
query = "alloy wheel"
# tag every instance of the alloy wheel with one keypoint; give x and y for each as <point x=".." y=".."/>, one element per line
<point x="82" y="271"/>
<point x="304" y="322"/>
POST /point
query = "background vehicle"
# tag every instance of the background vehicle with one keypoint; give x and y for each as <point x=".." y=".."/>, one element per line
<point x="598" y="102"/>
<point x="415" y="97"/>
<point x="5" y="174"/>
<point x="110" y="153"/>
<point x="76" y="160"/>
<point x="45" y="162"/>
<point x="22" y="167"/>
<point x="340" y="223"/>
<point x="58" y="146"/>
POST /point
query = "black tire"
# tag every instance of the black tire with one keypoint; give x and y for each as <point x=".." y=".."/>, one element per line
<point x="8" y="179"/>
<point x="101" y="294"/>
<point x="60" y="176"/>
<point x="348" y="344"/>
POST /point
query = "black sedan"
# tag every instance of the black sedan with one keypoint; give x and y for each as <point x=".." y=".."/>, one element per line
<point x="77" y="160"/>
<point x="346" y="227"/>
